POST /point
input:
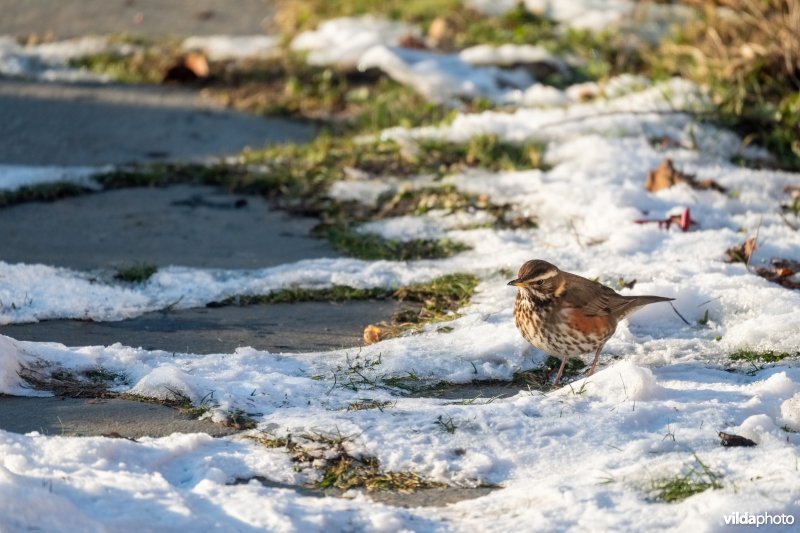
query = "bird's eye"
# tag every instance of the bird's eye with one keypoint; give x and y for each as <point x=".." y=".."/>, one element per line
<point x="540" y="282"/>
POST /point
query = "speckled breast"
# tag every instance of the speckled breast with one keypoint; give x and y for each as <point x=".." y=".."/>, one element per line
<point x="561" y="331"/>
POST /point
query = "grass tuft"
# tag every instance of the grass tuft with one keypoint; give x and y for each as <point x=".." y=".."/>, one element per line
<point x="755" y="356"/>
<point x="365" y="404"/>
<point x="46" y="192"/>
<point x="370" y="246"/>
<point x="138" y="273"/>
<point x="698" y="478"/>
<point x="91" y="383"/>
<point x="337" y="293"/>
<point x="339" y="468"/>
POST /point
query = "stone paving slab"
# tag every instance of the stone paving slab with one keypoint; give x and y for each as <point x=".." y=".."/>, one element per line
<point x="96" y="417"/>
<point x="85" y="125"/>
<point x="71" y="18"/>
<point x="290" y="327"/>
<point x="181" y="225"/>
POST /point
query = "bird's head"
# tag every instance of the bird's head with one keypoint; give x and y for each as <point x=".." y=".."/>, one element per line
<point x="539" y="280"/>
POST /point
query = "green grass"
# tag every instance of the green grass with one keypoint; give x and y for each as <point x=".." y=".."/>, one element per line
<point x="435" y="301"/>
<point x="698" y="478"/>
<point x="540" y="378"/>
<point x="46" y="192"/>
<point x="367" y="404"/>
<point x="749" y="64"/>
<point x="446" y="424"/>
<point x="764" y="356"/>
<point x="137" y="273"/>
<point x="340" y="470"/>
<point x="440" y="298"/>
<point x="374" y="247"/>
<point x="145" y="66"/>
<point x="337" y="293"/>
<point x="90" y="383"/>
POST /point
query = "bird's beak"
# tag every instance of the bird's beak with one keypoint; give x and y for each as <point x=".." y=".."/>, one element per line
<point x="516" y="282"/>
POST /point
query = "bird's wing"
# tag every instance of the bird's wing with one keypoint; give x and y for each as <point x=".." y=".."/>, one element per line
<point x="593" y="298"/>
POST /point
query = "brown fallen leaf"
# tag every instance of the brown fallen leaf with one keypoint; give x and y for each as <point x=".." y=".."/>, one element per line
<point x="412" y="41"/>
<point x="792" y="190"/>
<point x="439" y="33"/>
<point x="742" y="252"/>
<point x="372" y="334"/>
<point x="730" y="440"/>
<point x="784" y="272"/>
<point x="666" y="176"/>
<point x="192" y="67"/>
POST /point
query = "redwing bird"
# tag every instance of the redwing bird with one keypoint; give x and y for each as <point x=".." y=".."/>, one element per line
<point x="566" y="315"/>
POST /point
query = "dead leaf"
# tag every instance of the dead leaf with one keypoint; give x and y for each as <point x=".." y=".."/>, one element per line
<point x="204" y="14"/>
<point x="743" y="252"/>
<point x="731" y="440"/>
<point x="193" y="67"/>
<point x="666" y="176"/>
<point x="439" y="33"/>
<point x="372" y="334"/>
<point x="683" y="221"/>
<point x="412" y="41"/>
<point x="784" y="272"/>
<point x="792" y="190"/>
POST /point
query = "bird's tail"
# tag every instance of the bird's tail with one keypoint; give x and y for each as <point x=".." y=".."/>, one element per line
<point x="639" y="301"/>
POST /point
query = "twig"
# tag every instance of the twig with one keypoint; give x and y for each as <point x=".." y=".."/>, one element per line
<point x="679" y="315"/>
<point x="577" y="235"/>
<point x="755" y="245"/>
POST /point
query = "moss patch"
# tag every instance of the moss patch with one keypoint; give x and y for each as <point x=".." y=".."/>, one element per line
<point x="755" y="356"/>
<point x="339" y="469"/>
<point x="138" y="273"/>
<point x="337" y="293"/>
<point x="47" y="192"/>
<point x="90" y="383"/>
<point x="371" y="247"/>
<point x="697" y="478"/>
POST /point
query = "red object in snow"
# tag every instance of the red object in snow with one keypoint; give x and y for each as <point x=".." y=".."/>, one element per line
<point x="684" y="221"/>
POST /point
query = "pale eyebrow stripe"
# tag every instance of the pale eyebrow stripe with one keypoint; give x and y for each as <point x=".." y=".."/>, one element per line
<point x="546" y="275"/>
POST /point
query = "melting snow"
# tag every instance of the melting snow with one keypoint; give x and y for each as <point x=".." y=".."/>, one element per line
<point x="585" y="456"/>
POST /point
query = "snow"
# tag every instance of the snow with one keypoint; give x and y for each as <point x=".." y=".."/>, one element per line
<point x="443" y="78"/>
<point x="49" y="61"/>
<point x="222" y="47"/>
<point x="13" y="177"/>
<point x="343" y="41"/>
<point x="508" y="55"/>
<point x="586" y="456"/>
<point x="595" y="15"/>
<point x="369" y="42"/>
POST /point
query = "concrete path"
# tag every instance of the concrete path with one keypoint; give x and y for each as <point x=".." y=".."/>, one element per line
<point x="56" y="124"/>
<point x="291" y="327"/>
<point x="71" y="18"/>
<point x="94" y="417"/>
<point x="89" y="125"/>
<point x="180" y="225"/>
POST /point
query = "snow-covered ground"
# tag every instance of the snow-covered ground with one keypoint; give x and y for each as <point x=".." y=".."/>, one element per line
<point x="585" y="456"/>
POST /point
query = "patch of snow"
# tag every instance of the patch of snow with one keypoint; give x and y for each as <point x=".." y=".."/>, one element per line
<point x="444" y="78"/>
<point x="432" y="225"/>
<point x="508" y="55"/>
<point x="593" y="15"/>
<point x="13" y="177"/>
<point x="49" y="61"/>
<point x="222" y="47"/>
<point x="12" y="359"/>
<point x="343" y="41"/>
<point x="648" y="417"/>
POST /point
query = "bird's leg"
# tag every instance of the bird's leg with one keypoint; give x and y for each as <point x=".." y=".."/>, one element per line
<point x="596" y="358"/>
<point x="560" y="371"/>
